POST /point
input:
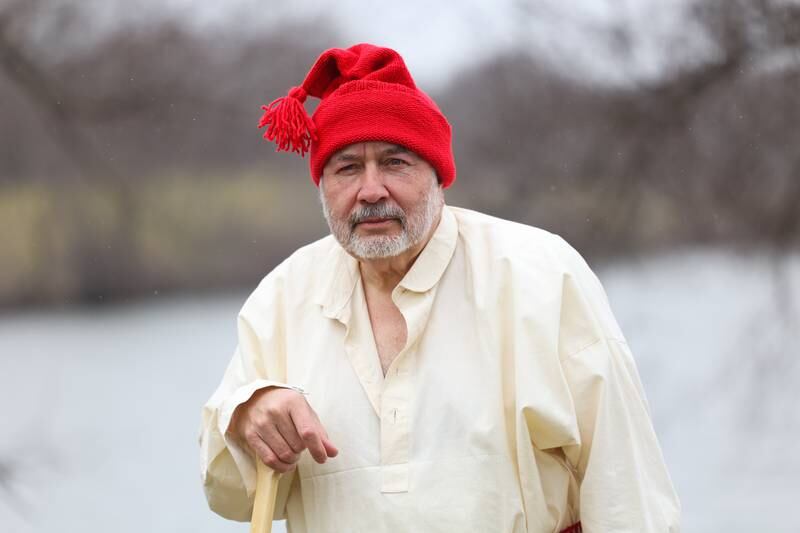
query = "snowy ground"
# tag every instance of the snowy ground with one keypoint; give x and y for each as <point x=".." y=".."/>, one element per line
<point x="100" y="410"/>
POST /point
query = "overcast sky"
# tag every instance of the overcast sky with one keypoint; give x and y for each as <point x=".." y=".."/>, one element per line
<point x="437" y="37"/>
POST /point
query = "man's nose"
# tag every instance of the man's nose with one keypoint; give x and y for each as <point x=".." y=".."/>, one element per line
<point x="372" y="188"/>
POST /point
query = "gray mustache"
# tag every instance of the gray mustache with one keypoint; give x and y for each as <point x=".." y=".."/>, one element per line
<point x="378" y="211"/>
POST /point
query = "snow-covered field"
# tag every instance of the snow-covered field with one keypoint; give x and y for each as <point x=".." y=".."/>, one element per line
<point x="100" y="409"/>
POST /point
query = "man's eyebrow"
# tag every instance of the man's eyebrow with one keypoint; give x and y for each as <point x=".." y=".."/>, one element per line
<point x="346" y="157"/>
<point x="396" y="149"/>
<point x="391" y="150"/>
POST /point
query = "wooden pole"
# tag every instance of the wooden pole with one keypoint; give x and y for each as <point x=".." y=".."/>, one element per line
<point x="266" y="493"/>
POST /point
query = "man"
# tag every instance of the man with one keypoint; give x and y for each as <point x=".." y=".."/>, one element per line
<point x="444" y="370"/>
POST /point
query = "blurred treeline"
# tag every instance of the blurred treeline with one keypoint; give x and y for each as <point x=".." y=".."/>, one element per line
<point x="130" y="162"/>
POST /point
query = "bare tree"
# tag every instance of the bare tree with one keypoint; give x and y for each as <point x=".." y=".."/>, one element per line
<point x="143" y="102"/>
<point x="702" y="152"/>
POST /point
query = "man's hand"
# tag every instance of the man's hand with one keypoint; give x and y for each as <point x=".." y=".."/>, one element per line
<point x="277" y="424"/>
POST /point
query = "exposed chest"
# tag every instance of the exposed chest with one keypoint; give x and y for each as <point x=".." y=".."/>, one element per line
<point x="388" y="328"/>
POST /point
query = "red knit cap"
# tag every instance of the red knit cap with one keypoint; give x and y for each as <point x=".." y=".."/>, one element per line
<point x="367" y="94"/>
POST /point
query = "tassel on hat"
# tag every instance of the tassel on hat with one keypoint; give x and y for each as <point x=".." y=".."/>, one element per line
<point x="288" y="124"/>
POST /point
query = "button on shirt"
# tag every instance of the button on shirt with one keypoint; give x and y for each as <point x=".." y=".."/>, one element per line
<point x="515" y="405"/>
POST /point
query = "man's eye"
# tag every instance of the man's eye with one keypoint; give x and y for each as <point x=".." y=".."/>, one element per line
<point x="346" y="168"/>
<point x="397" y="162"/>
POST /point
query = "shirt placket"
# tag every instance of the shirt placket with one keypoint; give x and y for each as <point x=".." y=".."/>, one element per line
<point x="395" y="428"/>
<point x="397" y="394"/>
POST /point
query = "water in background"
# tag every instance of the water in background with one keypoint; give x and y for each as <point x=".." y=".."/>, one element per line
<point x="100" y="409"/>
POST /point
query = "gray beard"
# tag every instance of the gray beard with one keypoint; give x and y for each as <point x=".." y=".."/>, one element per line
<point x="413" y="227"/>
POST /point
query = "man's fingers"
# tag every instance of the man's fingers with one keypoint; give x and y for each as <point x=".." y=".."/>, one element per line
<point x="270" y="434"/>
<point x="310" y="431"/>
<point x="289" y="434"/>
<point x="311" y="437"/>
<point x="330" y="449"/>
<point x="266" y="455"/>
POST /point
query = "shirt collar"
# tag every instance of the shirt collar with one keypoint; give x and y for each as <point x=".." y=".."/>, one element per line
<point x="338" y="283"/>
<point x="432" y="261"/>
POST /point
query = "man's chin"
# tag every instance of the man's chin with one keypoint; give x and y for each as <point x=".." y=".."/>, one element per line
<point x="377" y="246"/>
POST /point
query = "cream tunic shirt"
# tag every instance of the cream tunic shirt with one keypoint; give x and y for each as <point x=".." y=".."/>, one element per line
<point x="515" y="405"/>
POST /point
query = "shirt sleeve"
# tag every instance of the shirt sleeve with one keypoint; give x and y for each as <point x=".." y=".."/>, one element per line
<point x="227" y="470"/>
<point x="624" y="482"/>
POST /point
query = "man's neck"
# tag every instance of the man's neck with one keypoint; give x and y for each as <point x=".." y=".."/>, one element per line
<point x="384" y="274"/>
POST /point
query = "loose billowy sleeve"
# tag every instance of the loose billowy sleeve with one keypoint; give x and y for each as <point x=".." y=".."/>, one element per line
<point x="228" y="471"/>
<point x="624" y="482"/>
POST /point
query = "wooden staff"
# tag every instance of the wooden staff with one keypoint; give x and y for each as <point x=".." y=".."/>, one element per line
<point x="266" y="493"/>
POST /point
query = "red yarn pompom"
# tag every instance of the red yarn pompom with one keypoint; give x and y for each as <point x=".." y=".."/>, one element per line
<point x="288" y="124"/>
